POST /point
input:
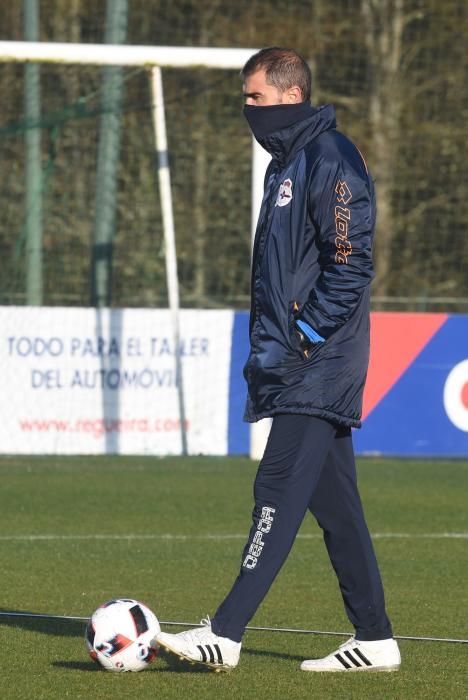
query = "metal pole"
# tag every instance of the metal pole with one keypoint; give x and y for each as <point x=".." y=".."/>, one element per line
<point x="32" y="109"/>
<point x="292" y="630"/>
<point x="159" y="125"/>
<point x="108" y="157"/>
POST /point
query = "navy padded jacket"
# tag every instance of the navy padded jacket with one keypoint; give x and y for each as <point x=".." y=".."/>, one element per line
<point x="312" y="261"/>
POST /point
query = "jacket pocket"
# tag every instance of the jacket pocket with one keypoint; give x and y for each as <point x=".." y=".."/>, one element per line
<point x="305" y="349"/>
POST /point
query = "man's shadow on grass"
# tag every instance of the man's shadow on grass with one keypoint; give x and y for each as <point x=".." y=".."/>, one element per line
<point x="25" y="619"/>
<point x="155" y="667"/>
<point x="164" y="663"/>
<point x="168" y="663"/>
<point x="56" y="627"/>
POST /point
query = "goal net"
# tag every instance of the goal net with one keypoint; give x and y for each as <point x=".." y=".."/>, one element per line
<point x="210" y="156"/>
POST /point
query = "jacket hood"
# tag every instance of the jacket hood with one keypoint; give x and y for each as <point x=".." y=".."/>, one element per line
<point x="282" y="144"/>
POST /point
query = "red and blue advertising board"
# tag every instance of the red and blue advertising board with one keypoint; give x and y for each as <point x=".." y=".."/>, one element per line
<point x="416" y="398"/>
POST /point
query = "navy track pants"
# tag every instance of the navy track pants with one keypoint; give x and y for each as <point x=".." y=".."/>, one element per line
<point x="308" y="464"/>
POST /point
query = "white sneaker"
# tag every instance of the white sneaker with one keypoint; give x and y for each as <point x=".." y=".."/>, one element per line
<point x="200" y="645"/>
<point x="357" y="655"/>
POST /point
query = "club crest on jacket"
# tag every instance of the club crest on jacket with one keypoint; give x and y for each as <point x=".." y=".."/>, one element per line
<point x="285" y="194"/>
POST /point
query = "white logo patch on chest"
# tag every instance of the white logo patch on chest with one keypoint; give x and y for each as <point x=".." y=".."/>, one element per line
<point x="285" y="194"/>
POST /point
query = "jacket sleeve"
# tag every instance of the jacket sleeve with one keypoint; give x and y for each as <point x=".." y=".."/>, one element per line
<point x="342" y="208"/>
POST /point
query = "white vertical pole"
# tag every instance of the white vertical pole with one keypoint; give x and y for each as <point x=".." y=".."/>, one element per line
<point x="260" y="158"/>
<point x="159" y="125"/>
<point x="260" y="161"/>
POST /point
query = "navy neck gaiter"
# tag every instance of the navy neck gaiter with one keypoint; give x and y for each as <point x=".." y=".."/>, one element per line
<point x="266" y="120"/>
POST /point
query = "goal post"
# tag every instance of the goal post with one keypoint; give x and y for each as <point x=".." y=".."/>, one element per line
<point x="123" y="55"/>
<point x="160" y="136"/>
<point x="154" y="58"/>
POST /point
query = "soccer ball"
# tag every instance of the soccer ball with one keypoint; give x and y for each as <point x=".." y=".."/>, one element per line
<point x="120" y="635"/>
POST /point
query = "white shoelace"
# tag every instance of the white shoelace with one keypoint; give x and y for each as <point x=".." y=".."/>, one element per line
<point x="199" y="634"/>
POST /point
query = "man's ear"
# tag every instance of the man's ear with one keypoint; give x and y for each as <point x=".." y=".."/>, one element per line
<point x="293" y="95"/>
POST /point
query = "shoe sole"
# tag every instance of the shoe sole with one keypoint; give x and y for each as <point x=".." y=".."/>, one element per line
<point x="382" y="669"/>
<point x="217" y="668"/>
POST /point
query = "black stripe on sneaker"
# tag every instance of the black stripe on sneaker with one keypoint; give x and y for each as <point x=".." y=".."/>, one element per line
<point x="218" y="651"/>
<point x="202" y="652"/>
<point x="342" y="661"/>
<point x="210" y="652"/>
<point x="352" y="659"/>
<point x="359" y="653"/>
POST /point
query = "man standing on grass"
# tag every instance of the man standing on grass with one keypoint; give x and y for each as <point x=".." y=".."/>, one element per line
<point x="309" y="335"/>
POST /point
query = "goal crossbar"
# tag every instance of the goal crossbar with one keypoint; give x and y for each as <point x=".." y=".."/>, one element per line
<point x="118" y="55"/>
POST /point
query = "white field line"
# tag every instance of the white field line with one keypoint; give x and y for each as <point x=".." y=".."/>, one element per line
<point x="220" y="537"/>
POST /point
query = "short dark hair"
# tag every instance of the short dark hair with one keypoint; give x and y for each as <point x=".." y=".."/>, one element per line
<point x="283" y="68"/>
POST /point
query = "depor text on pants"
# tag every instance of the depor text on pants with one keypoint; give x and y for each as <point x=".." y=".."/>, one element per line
<point x="308" y="464"/>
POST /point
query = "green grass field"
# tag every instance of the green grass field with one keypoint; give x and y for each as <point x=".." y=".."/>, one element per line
<point x="78" y="531"/>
